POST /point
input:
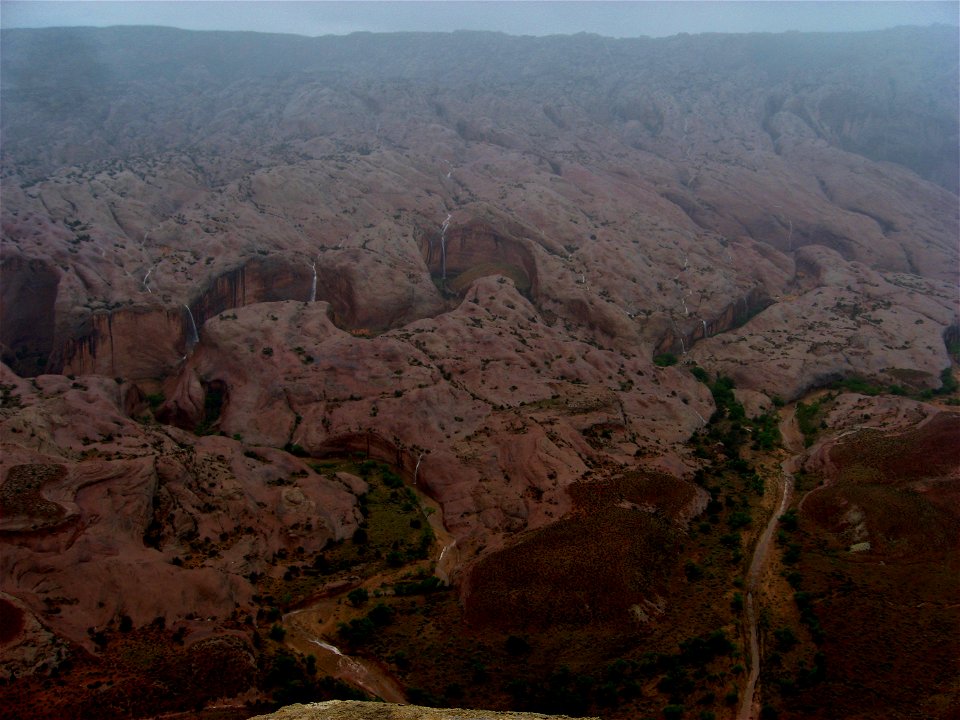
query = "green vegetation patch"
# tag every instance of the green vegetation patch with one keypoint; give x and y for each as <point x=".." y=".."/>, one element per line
<point x="810" y="420"/>
<point x="665" y="359"/>
<point x="394" y="533"/>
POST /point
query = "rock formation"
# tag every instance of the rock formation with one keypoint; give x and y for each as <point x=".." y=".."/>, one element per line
<point x="354" y="710"/>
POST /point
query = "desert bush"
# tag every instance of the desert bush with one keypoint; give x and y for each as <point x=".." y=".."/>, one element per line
<point x="358" y="596"/>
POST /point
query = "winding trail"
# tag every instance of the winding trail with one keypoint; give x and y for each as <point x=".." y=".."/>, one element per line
<point x="792" y="441"/>
<point x="310" y="628"/>
<point x="368" y="675"/>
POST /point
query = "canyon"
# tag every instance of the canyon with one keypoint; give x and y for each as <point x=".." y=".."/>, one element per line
<point x="493" y="333"/>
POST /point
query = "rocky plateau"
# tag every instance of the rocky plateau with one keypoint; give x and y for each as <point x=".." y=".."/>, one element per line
<point x="248" y="280"/>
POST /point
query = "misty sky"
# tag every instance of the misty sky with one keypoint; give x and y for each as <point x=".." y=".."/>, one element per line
<point x="616" y="19"/>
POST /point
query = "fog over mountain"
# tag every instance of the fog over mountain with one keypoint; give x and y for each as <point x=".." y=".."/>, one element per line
<point x="611" y="19"/>
<point x="571" y="374"/>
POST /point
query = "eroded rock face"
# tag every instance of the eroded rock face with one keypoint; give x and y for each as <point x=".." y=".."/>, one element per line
<point x="462" y="253"/>
<point x="144" y="521"/>
<point x="524" y="414"/>
<point x="29" y="290"/>
<point x="844" y="319"/>
<point x="254" y="282"/>
<point x="140" y="343"/>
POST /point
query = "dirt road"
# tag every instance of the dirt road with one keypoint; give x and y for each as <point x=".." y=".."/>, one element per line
<point x="793" y="442"/>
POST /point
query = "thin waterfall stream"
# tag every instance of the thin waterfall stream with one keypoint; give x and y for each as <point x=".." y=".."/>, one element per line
<point x="443" y="247"/>
<point x="194" y="335"/>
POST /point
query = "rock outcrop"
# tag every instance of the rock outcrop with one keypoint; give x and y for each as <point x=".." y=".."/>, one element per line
<point x="356" y="710"/>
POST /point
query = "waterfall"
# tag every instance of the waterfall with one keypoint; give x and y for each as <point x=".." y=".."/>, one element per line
<point x="705" y="333"/>
<point x="313" y="285"/>
<point x="327" y="646"/>
<point x="685" y="311"/>
<point x="676" y="329"/>
<point x="417" y="469"/>
<point x="443" y="246"/>
<point x="145" y="277"/>
<point x="194" y="337"/>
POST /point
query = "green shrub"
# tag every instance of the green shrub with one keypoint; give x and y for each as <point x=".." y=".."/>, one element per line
<point x="700" y="374"/>
<point x="401" y="660"/>
<point x="766" y="431"/>
<point x="807" y="421"/>
<point x="948" y="383"/>
<point x="693" y="571"/>
<point x="859" y="385"/>
<point x="665" y="359"/>
<point x="423" y="587"/>
<point x="789" y="520"/>
<point x="794" y="579"/>
<point x="392" y="480"/>
<point x="358" y="631"/>
<point x="517" y="645"/>
<point x="358" y="596"/>
<point x="381" y="615"/>
<point x="785" y="637"/>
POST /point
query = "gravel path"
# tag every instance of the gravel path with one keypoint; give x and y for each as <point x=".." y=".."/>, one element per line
<point x="793" y="442"/>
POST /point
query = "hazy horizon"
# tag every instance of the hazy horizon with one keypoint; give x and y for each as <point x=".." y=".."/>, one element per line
<point x="539" y="17"/>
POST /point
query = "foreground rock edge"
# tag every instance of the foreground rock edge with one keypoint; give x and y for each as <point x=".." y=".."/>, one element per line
<point x="361" y="710"/>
